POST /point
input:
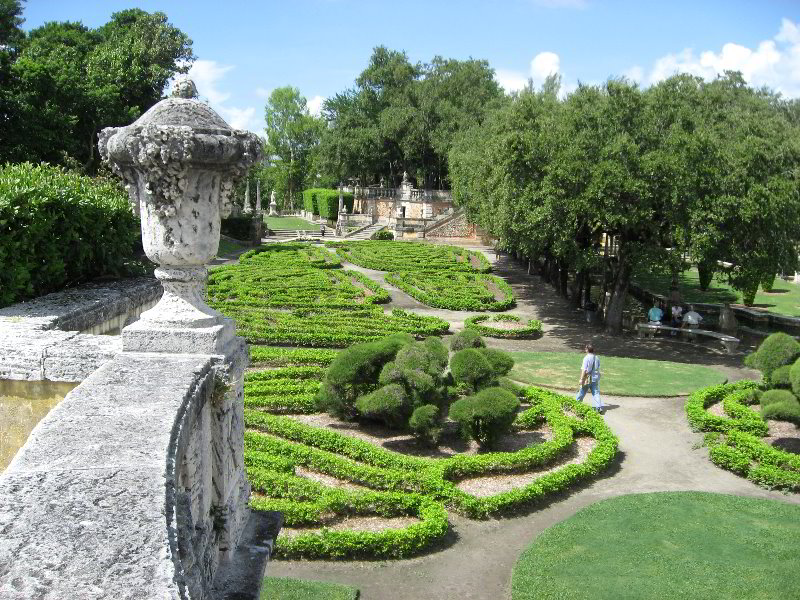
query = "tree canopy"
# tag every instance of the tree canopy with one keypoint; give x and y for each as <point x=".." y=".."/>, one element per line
<point x="683" y="168"/>
<point x="64" y="82"/>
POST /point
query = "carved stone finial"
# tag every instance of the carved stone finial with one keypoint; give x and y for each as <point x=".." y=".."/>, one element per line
<point x="184" y="87"/>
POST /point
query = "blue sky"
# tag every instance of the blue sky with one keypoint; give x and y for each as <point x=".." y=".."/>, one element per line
<point x="246" y="49"/>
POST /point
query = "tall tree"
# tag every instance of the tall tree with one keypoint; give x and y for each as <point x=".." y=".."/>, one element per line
<point x="292" y="134"/>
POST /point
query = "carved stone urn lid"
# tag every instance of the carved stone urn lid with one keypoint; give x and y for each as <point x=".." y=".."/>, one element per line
<point x="180" y="129"/>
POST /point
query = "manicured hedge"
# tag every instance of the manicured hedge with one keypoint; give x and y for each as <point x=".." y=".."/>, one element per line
<point x="454" y="290"/>
<point x="239" y="228"/>
<point x="482" y="324"/>
<point x="735" y="441"/>
<point x="276" y="356"/>
<point x="411" y="256"/>
<point x="325" y="202"/>
<point x="58" y="228"/>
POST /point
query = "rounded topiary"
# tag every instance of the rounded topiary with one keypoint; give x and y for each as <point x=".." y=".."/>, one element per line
<point x="777" y="350"/>
<point x="511" y="386"/>
<point x="767" y="282"/>
<point x="383" y="234"/>
<point x="776" y="397"/>
<point x="780" y="377"/>
<point x="485" y="416"/>
<point x="794" y="377"/>
<point x="425" y="424"/>
<point x="438" y="351"/>
<point x="471" y="368"/>
<point x="501" y="362"/>
<point x="388" y="403"/>
<point x="783" y="411"/>
<point x="749" y="294"/>
<point x="468" y="338"/>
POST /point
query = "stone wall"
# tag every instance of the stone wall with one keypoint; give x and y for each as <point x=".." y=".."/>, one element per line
<point x="456" y="227"/>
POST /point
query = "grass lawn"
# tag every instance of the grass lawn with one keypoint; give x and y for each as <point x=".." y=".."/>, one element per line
<point x="229" y="246"/>
<point x="283" y="588"/>
<point x="784" y="298"/>
<point x="290" y="223"/>
<point x="620" y="376"/>
<point x="666" y="545"/>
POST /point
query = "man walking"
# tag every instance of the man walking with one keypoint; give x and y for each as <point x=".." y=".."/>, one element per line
<point x="590" y="376"/>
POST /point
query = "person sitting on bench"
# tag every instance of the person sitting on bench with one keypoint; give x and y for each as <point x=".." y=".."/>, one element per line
<point x="655" y="314"/>
<point x="691" y="319"/>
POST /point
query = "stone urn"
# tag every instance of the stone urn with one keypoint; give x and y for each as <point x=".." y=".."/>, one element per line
<point x="179" y="162"/>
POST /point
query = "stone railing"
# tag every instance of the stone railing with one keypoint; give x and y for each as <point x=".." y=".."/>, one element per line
<point x="415" y="195"/>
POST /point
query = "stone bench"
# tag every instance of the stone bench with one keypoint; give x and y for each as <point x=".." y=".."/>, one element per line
<point x="728" y="341"/>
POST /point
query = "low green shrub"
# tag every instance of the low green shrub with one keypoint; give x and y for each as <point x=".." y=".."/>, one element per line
<point x="411" y="256"/>
<point x="500" y="362"/>
<point x="471" y="368"/>
<point x="485" y="416"/>
<point x="382" y="234"/>
<point x="511" y="386"/>
<point x="58" y="228"/>
<point x="454" y="290"/>
<point x="425" y="423"/>
<point x="783" y="411"/>
<point x="483" y="325"/>
<point x="467" y="338"/>
<point x="794" y="377"/>
<point x="776" y="397"/>
<point x="277" y="356"/>
<point x="777" y="350"/>
<point x="780" y="377"/>
<point x="701" y="420"/>
<point x="388" y="403"/>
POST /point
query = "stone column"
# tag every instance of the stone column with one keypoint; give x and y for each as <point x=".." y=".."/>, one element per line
<point x="258" y="195"/>
<point x="179" y="162"/>
<point x="247" y="208"/>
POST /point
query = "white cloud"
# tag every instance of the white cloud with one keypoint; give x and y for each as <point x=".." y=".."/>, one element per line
<point x="510" y="81"/>
<point x="543" y="65"/>
<point x="262" y="93"/>
<point x="774" y="63"/>
<point x="315" y="105"/>
<point x="635" y="73"/>
<point x="206" y="75"/>
<point x="240" y="118"/>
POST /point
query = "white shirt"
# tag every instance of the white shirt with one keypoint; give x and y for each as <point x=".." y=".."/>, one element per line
<point x="591" y="364"/>
<point x="692" y="318"/>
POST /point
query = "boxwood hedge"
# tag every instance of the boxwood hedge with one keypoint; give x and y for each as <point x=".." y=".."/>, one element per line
<point x="483" y="325"/>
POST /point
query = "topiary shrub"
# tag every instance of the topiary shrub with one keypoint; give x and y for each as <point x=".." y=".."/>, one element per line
<point x="389" y="404"/>
<point x="783" y="411"/>
<point x="425" y="423"/>
<point x="468" y="338"/>
<point x="767" y="282"/>
<point x="776" y="397"/>
<point x="355" y="372"/>
<point x="59" y="228"/>
<point x="382" y="234"/>
<point x="777" y="350"/>
<point x="501" y="362"/>
<point x="780" y="377"/>
<point x="325" y="202"/>
<point x="705" y="273"/>
<point x="511" y="386"/>
<point x="471" y="368"/>
<point x="485" y="416"/>
<point x="794" y="377"/>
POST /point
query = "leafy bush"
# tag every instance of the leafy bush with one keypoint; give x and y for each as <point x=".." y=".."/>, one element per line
<point x="794" y="377"/>
<point x="511" y="386"/>
<point x="425" y="423"/>
<point x="485" y="416"/>
<point x="325" y="202"/>
<point x="783" y="411"/>
<point x="471" y="368"/>
<point x="454" y="290"/>
<point x="468" y="338"/>
<point x="777" y="350"/>
<point x="780" y="377"/>
<point x="239" y="228"/>
<point x="776" y="397"/>
<point x="501" y="362"/>
<point x="411" y="256"/>
<point x="59" y="228"/>
<point x="767" y="282"/>
<point x="382" y="234"/>
<point x="388" y="404"/>
<point x="705" y="272"/>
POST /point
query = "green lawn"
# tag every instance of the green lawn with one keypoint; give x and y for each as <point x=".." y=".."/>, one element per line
<point x="290" y="223"/>
<point x="666" y="545"/>
<point x="620" y="376"/>
<point x="283" y="588"/>
<point x="784" y="298"/>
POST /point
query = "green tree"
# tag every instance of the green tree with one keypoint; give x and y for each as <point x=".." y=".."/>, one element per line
<point x="292" y="134"/>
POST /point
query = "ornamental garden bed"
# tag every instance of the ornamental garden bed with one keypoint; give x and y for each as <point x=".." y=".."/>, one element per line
<point x="356" y="492"/>
<point x="392" y="256"/>
<point x="455" y="290"/>
<point x="297" y="294"/>
<point x="504" y="326"/>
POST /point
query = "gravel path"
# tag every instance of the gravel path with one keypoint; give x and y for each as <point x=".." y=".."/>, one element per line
<point x="658" y="452"/>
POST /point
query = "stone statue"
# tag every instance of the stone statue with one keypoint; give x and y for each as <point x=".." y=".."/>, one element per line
<point x="405" y="178"/>
<point x="273" y="206"/>
<point x="183" y="87"/>
<point x="727" y="320"/>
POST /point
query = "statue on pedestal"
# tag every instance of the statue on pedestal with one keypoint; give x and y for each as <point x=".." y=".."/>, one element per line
<point x="273" y="206"/>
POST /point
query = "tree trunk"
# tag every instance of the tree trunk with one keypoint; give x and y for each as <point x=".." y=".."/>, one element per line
<point x="577" y="289"/>
<point x="563" y="280"/>
<point x="620" y="292"/>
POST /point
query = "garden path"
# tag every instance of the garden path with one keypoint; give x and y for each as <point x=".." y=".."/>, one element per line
<point x="658" y="452"/>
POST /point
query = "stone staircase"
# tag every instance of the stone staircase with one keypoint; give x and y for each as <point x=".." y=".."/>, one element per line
<point x="366" y="233"/>
<point x="281" y="235"/>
